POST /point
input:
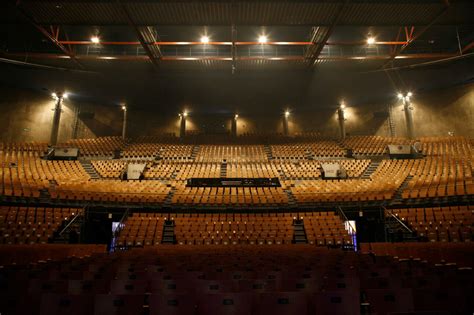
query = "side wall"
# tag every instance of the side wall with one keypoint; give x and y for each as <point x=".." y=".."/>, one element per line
<point x="27" y="115"/>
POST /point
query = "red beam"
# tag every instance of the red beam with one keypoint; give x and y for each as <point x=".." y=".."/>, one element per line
<point x="353" y="43"/>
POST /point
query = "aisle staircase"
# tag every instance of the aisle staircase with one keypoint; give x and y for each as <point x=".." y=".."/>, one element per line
<point x="299" y="233"/>
<point x="268" y="152"/>
<point x="370" y="169"/>
<point x="87" y="165"/>
<point x="168" y="233"/>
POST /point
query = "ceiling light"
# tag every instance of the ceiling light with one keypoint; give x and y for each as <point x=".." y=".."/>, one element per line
<point x="124" y="107"/>
<point x="409" y="94"/>
<point x="371" y="40"/>
<point x="54" y="95"/>
<point x="262" y="39"/>
<point x="65" y="95"/>
<point x="95" y="39"/>
<point x="287" y="113"/>
<point x="204" y="39"/>
<point x="343" y="106"/>
<point x="236" y="116"/>
<point x="400" y="95"/>
<point x="185" y="114"/>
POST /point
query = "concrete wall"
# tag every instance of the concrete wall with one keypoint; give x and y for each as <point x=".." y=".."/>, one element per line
<point x="27" y="116"/>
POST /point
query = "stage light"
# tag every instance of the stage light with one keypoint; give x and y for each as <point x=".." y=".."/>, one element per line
<point x="262" y="39"/>
<point x="236" y="116"/>
<point x="65" y="95"/>
<point x="343" y="106"/>
<point x="371" y="40"/>
<point x="287" y="113"/>
<point x="185" y="114"/>
<point x="400" y="95"/>
<point x="54" y="95"/>
<point x="409" y="94"/>
<point x="205" y="39"/>
<point x="95" y="39"/>
<point x="124" y="107"/>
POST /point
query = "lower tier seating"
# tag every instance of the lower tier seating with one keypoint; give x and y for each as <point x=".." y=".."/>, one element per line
<point x="443" y="224"/>
<point x="31" y="225"/>
<point x="259" y="280"/>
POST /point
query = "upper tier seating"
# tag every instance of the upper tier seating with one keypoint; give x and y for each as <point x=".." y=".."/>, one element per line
<point x="325" y="228"/>
<point x="109" y="168"/>
<point x="29" y="225"/>
<point x="96" y="147"/>
<point x="372" y="145"/>
<point x="153" y="150"/>
<point x="231" y="153"/>
<point x="142" y="229"/>
<point x="445" y="224"/>
<point x="229" y="196"/>
<point x="307" y="149"/>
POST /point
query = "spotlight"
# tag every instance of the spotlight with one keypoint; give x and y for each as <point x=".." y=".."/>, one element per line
<point x="343" y="105"/>
<point x="236" y="116"/>
<point x="65" y="95"/>
<point x="262" y="39"/>
<point x="185" y="114"/>
<point x="287" y="113"/>
<point x="400" y="95"/>
<point x="124" y="107"/>
<point x="54" y="95"/>
<point x="409" y="94"/>
<point x="371" y="40"/>
<point x="95" y="39"/>
<point x="205" y="39"/>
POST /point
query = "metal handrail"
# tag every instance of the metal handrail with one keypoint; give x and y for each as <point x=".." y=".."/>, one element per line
<point x="346" y="219"/>
<point x="72" y="221"/>
<point x="124" y="216"/>
<point x="390" y="211"/>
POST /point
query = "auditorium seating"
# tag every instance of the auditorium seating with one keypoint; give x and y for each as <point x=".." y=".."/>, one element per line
<point x="233" y="228"/>
<point x="204" y="279"/>
<point x="441" y="224"/>
<point x="109" y="168"/>
<point x="96" y="147"/>
<point x="325" y="228"/>
<point x="142" y="230"/>
<point x="31" y="225"/>
<point x="231" y="153"/>
<point x="229" y="196"/>
<point x="372" y="145"/>
<point x="308" y="149"/>
<point x="161" y="150"/>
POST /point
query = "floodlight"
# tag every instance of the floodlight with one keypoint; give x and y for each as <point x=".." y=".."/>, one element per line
<point x="185" y="114"/>
<point x="124" y="107"/>
<point x="54" y="95"/>
<point x="95" y="39"/>
<point x="65" y="95"/>
<point x="400" y="95"/>
<point x="205" y="39"/>
<point x="409" y="94"/>
<point x="287" y="113"/>
<point x="371" y="40"/>
<point x="343" y="106"/>
<point x="236" y="116"/>
<point x="262" y="39"/>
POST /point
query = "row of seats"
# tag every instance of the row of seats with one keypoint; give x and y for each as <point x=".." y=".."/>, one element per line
<point x="30" y="225"/>
<point x="283" y="279"/>
<point x="443" y="224"/>
<point x="307" y="150"/>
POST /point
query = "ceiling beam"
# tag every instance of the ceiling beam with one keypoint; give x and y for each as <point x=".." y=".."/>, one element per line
<point x="151" y="55"/>
<point x="324" y="33"/>
<point x="53" y="38"/>
<point x="229" y="58"/>
<point x="414" y="36"/>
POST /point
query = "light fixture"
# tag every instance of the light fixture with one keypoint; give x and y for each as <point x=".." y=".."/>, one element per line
<point x="287" y="113"/>
<point x="343" y="105"/>
<point x="236" y="116"/>
<point x="370" y="40"/>
<point x="400" y="95"/>
<point x="185" y="114"/>
<point x="54" y="95"/>
<point x="262" y="39"/>
<point x="409" y="94"/>
<point x="124" y="107"/>
<point x="204" y="39"/>
<point x="65" y="95"/>
<point x="95" y="39"/>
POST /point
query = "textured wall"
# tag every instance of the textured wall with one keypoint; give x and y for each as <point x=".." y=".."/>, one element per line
<point x="27" y="115"/>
